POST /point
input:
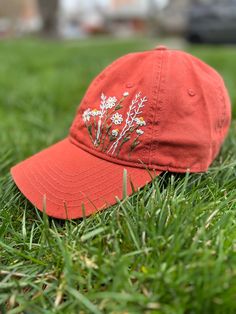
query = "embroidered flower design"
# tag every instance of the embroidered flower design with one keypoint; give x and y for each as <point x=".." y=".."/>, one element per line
<point x="115" y="132"/>
<point x="117" y="118"/>
<point x="111" y="140"/>
<point x="139" y="131"/>
<point x="111" y="102"/>
<point x="140" y="121"/>
<point x="95" y="112"/>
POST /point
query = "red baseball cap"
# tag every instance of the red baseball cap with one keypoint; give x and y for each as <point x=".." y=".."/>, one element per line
<point x="147" y="112"/>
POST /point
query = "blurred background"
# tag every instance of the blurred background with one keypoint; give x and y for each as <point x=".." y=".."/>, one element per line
<point x="199" y="21"/>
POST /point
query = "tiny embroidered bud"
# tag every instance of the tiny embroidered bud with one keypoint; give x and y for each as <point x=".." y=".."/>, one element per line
<point x="90" y="129"/>
<point x="126" y="94"/>
<point x="139" y="132"/>
<point x="115" y="132"/>
<point x="140" y="121"/>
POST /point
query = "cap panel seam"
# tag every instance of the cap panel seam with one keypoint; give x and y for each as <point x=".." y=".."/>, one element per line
<point x="205" y="102"/>
<point x="151" y="108"/>
<point x="156" y="103"/>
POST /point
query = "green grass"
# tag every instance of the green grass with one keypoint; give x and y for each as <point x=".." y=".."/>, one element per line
<point x="170" y="249"/>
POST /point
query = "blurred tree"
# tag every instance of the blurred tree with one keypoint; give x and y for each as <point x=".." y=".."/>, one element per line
<point x="49" y="13"/>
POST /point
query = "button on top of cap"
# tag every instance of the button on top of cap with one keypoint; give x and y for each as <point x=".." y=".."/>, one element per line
<point x="160" y="47"/>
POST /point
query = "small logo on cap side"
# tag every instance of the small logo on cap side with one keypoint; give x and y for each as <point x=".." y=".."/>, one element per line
<point x="109" y="130"/>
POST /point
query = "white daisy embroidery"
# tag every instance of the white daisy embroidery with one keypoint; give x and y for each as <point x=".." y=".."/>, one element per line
<point x="139" y="131"/>
<point x="117" y="118"/>
<point x="111" y="102"/>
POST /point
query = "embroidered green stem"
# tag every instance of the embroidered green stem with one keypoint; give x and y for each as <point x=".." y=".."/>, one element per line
<point x="89" y="128"/>
<point x="108" y="127"/>
<point x="128" y="135"/>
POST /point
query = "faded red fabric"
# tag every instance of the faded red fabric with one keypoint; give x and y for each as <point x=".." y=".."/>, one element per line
<point x="161" y="109"/>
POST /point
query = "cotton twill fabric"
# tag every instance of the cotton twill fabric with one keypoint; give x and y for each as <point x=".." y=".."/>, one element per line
<point x="69" y="177"/>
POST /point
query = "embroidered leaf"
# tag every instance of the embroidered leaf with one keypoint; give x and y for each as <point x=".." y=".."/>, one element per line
<point x="118" y="107"/>
<point x="126" y="139"/>
<point x="112" y="138"/>
<point x="134" y="144"/>
<point x="90" y="129"/>
<point x="97" y="143"/>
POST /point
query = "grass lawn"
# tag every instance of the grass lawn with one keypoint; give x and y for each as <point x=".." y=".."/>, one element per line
<point x="170" y="249"/>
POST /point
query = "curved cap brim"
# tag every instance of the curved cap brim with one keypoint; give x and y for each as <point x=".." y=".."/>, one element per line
<point x="72" y="182"/>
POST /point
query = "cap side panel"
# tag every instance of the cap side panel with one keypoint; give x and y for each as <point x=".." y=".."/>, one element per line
<point x="183" y="142"/>
<point x="221" y="110"/>
<point x="205" y="88"/>
<point x="216" y="104"/>
<point x="222" y="121"/>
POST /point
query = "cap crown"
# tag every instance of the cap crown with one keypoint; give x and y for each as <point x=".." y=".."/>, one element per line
<point x="162" y="109"/>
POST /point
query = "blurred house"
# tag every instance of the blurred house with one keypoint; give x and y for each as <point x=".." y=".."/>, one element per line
<point x="118" y="17"/>
<point x="80" y="18"/>
<point x="29" y="20"/>
<point x="123" y="17"/>
<point x="9" y="12"/>
<point x="172" y="19"/>
<point x="126" y="17"/>
<point x="18" y="16"/>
